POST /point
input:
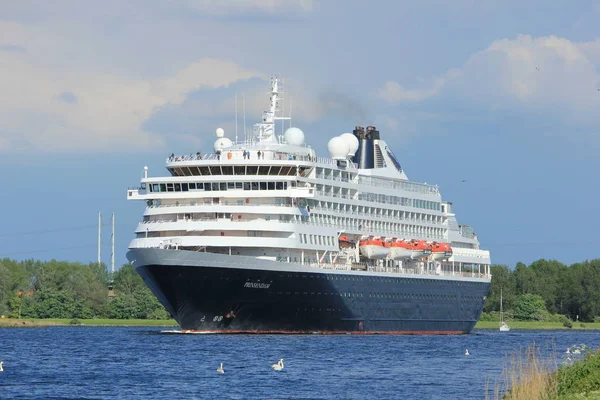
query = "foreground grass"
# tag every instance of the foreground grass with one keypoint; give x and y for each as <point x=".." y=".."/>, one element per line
<point x="538" y="325"/>
<point x="13" y="322"/>
<point x="528" y="376"/>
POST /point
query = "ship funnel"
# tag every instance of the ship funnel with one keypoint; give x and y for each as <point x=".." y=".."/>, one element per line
<point x="365" y="155"/>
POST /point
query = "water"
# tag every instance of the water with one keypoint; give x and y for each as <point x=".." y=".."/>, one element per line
<point x="142" y="363"/>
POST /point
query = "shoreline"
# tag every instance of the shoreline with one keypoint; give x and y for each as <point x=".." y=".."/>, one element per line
<point x="481" y="325"/>
<point x="41" y="323"/>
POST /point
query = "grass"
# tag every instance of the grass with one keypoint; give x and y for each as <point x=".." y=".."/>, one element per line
<point x="528" y="376"/>
<point x="12" y="322"/>
<point x="538" y="325"/>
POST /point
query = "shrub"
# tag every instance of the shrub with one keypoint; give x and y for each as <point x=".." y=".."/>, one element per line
<point x="581" y="377"/>
<point x="74" y="321"/>
<point x="485" y="317"/>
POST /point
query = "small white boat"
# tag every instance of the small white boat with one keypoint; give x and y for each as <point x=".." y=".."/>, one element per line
<point x="503" y="325"/>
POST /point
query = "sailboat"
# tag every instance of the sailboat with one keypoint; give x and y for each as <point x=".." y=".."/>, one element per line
<point x="503" y="326"/>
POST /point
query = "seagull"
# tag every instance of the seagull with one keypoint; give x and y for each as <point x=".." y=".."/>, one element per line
<point x="568" y="350"/>
<point x="278" y="366"/>
<point x="220" y="370"/>
<point x="467" y="352"/>
<point x="537" y="68"/>
<point x="1" y="368"/>
<point x="464" y="180"/>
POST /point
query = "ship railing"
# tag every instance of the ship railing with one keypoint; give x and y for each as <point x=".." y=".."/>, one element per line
<point x="275" y="156"/>
<point x="210" y="203"/>
<point x="409" y="186"/>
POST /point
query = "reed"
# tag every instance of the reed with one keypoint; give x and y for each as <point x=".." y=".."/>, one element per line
<point x="527" y="376"/>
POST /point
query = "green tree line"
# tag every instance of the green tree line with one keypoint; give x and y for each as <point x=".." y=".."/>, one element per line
<point x="544" y="289"/>
<point x="59" y="289"/>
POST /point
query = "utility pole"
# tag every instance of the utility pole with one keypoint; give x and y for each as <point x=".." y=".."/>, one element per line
<point x="99" y="237"/>
<point x="112" y="247"/>
<point x="111" y="292"/>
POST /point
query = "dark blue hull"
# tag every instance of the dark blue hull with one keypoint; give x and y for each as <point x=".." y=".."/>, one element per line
<point x="246" y="300"/>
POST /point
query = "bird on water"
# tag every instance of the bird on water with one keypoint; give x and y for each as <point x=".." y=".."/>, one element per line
<point x="278" y="366"/>
<point x="1" y="366"/>
<point x="220" y="370"/>
<point x="467" y="352"/>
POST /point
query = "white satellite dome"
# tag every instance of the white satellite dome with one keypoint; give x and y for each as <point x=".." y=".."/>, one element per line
<point x="222" y="143"/>
<point x="338" y="148"/>
<point x="352" y="142"/>
<point x="294" y="136"/>
<point x="220" y="132"/>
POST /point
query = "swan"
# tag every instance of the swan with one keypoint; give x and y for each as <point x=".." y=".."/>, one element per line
<point x="278" y="366"/>
<point x="467" y="352"/>
<point x="220" y="369"/>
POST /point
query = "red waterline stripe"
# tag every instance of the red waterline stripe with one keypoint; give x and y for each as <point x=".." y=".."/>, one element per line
<point x="278" y="332"/>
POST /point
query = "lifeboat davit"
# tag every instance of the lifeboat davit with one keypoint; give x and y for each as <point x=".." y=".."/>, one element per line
<point x="345" y="242"/>
<point x="440" y="251"/>
<point x="400" y="249"/>
<point x="420" y="249"/>
<point x="373" y="248"/>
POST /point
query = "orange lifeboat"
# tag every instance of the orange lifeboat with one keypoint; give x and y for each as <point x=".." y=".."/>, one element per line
<point x="373" y="248"/>
<point x="400" y="249"/>
<point x="420" y="248"/>
<point x="440" y="251"/>
<point x="345" y="242"/>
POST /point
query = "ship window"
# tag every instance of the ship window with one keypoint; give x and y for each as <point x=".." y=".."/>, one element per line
<point x="178" y="187"/>
<point x="156" y="187"/>
<point x="192" y="186"/>
<point x="184" y="187"/>
<point x="279" y="185"/>
<point x="254" y="185"/>
<point x="163" y="187"/>
<point x="169" y="187"/>
<point x="239" y="185"/>
<point x="214" y="186"/>
<point x="207" y="187"/>
<point x="230" y="185"/>
<point x="263" y="185"/>
<point x="246" y="185"/>
<point x="223" y="186"/>
<point x="271" y="185"/>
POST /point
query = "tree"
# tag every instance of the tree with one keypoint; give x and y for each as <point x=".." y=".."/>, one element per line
<point x="530" y="307"/>
<point x="502" y="278"/>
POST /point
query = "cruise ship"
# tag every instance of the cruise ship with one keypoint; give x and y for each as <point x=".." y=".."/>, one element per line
<point x="262" y="235"/>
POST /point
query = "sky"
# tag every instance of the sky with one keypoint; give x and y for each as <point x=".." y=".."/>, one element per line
<point x="496" y="102"/>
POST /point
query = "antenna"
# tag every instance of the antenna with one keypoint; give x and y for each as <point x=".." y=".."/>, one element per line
<point x="282" y="106"/>
<point x="112" y="246"/>
<point x="99" y="237"/>
<point x="236" y="119"/>
<point x="244" y="106"/>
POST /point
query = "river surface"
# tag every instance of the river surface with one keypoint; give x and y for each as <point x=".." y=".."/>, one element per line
<point x="143" y="363"/>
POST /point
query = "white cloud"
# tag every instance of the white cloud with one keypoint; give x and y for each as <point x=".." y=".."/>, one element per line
<point x="393" y="92"/>
<point x="50" y="106"/>
<point x="546" y="75"/>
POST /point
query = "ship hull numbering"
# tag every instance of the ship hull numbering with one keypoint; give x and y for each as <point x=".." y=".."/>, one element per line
<point x="207" y="292"/>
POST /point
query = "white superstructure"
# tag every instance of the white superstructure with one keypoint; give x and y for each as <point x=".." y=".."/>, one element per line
<point x="271" y="197"/>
